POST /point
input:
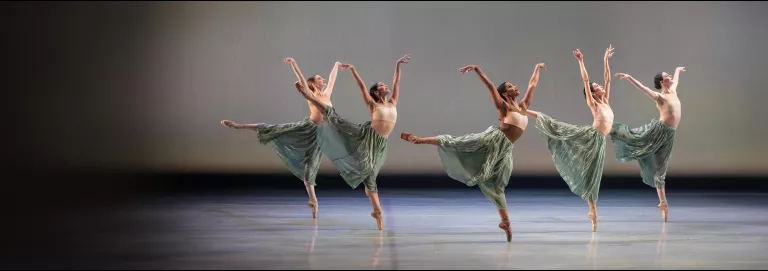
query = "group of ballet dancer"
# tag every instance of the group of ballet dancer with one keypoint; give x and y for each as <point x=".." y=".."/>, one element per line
<point x="484" y="159"/>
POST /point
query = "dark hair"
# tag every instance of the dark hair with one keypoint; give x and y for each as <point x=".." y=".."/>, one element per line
<point x="312" y="81"/>
<point x="657" y="80"/>
<point x="591" y="90"/>
<point x="501" y="89"/>
<point x="372" y="91"/>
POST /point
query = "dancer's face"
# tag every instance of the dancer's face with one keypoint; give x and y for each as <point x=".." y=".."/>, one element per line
<point x="666" y="80"/>
<point x="320" y="82"/>
<point x="382" y="89"/>
<point x="598" y="89"/>
<point x="511" y="90"/>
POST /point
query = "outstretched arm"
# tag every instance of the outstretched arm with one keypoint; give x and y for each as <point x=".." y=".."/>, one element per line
<point x="396" y="80"/>
<point x="497" y="100"/>
<point x="648" y="92"/>
<point x="232" y="124"/>
<point x="301" y="86"/>
<point x="367" y="99"/>
<point x="676" y="79"/>
<point x="584" y="77"/>
<point x="331" y="80"/>
<point x="528" y="98"/>
<point x="607" y="72"/>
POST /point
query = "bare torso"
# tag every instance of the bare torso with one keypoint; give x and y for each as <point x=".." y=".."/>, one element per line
<point x="670" y="111"/>
<point x="513" y="125"/>
<point x="603" y="117"/>
<point x="316" y="113"/>
<point x="383" y="119"/>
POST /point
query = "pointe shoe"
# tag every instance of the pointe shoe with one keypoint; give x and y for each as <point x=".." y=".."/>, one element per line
<point x="313" y="205"/>
<point x="664" y="207"/>
<point x="378" y="217"/>
<point x="593" y="218"/>
<point x="507" y="227"/>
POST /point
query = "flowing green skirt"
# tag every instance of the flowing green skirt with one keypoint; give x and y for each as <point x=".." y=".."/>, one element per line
<point x="578" y="152"/>
<point x="297" y="144"/>
<point x="356" y="150"/>
<point x="482" y="159"/>
<point x="650" y="145"/>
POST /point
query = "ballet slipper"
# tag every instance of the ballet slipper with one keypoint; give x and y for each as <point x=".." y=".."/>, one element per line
<point x="593" y="217"/>
<point x="379" y="217"/>
<point x="505" y="225"/>
<point x="664" y="207"/>
<point x="313" y="204"/>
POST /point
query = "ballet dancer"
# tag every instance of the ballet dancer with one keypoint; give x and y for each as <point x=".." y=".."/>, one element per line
<point x="651" y="144"/>
<point x="578" y="151"/>
<point x="298" y="143"/>
<point x="359" y="150"/>
<point x="485" y="159"/>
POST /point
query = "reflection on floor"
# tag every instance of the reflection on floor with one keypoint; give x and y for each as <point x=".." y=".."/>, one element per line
<point x="423" y="230"/>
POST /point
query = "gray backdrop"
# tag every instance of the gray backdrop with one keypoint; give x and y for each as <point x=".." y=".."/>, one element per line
<point x="164" y="85"/>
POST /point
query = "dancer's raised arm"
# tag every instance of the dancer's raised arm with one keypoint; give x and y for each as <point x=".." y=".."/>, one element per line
<point x="331" y="80"/>
<point x="676" y="79"/>
<point x="301" y="85"/>
<point x="497" y="100"/>
<point x="396" y="79"/>
<point x="528" y="98"/>
<point x="648" y="92"/>
<point x="367" y="99"/>
<point x="607" y="71"/>
<point x="585" y="78"/>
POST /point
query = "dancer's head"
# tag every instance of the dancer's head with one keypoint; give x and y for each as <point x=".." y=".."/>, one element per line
<point x="662" y="79"/>
<point x="316" y="83"/>
<point x="508" y="91"/>
<point x="594" y="88"/>
<point x="379" y="92"/>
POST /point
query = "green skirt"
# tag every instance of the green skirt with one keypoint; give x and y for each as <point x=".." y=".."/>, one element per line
<point x="356" y="150"/>
<point x="297" y="144"/>
<point x="482" y="159"/>
<point x="650" y="145"/>
<point x="578" y="152"/>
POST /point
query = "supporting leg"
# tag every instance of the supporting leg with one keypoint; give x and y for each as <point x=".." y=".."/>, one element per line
<point x="505" y="225"/>
<point x="593" y="215"/>
<point x="663" y="206"/>
<point x="376" y="214"/>
<point x="311" y="192"/>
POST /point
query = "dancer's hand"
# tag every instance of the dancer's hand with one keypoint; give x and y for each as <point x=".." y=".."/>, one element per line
<point x="578" y="55"/>
<point x="345" y="66"/>
<point x="467" y="68"/>
<point x="408" y="137"/>
<point x="289" y="60"/>
<point x="682" y="69"/>
<point x="609" y="52"/>
<point x="622" y="75"/>
<point x="541" y="66"/>
<point x="404" y="59"/>
<point x="230" y="124"/>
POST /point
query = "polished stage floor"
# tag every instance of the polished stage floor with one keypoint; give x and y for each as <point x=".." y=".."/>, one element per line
<point x="441" y="229"/>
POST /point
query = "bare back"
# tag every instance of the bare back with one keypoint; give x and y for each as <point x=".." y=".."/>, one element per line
<point x="670" y="110"/>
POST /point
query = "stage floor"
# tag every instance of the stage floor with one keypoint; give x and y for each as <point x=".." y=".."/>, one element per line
<point x="442" y="229"/>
